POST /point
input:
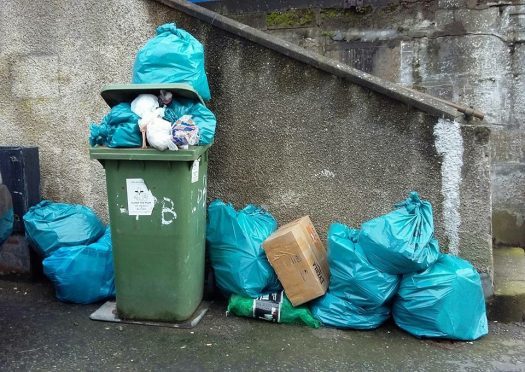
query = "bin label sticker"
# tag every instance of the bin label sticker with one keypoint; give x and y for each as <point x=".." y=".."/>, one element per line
<point x="195" y="170"/>
<point x="140" y="200"/>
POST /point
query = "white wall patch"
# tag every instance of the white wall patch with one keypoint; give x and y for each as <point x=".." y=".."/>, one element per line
<point x="326" y="173"/>
<point x="449" y="144"/>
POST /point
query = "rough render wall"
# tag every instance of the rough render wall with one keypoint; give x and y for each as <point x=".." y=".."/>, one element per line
<point x="290" y="137"/>
<point x="54" y="58"/>
<point x="463" y="50"/>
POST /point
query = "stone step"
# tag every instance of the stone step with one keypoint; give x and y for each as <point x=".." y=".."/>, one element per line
<point x="508" y="304"/>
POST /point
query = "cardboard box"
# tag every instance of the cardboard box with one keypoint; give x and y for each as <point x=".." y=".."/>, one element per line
<point x="299" y="258"/>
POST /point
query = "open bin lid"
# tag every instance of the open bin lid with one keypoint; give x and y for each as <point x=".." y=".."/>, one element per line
<point x="105" y="153"/>
<point x="114" y="94"/>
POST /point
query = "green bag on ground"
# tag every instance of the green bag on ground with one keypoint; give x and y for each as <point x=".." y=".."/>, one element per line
<point x="274" y="307"/>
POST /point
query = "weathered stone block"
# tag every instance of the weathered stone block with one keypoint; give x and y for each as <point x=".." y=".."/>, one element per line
<point x="517" y="96"/>
<point x="508" y="227"/>
<point x="513" y="22"/>
<point x="508" y="145"/>
<point x="479" y="20"/>
<point x="509" y="281"/>
<point x="509" y="179"/>
<point x="492" y="96"/>
<point x="518" y="59"/>
<point x="482" y="57"/>
<point x="452" y="4"/>
<point x="509" y="203"/>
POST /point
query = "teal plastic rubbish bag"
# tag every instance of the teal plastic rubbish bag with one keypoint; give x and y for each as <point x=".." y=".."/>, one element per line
<point x="119" y="128"/>
<point x="445" y="301"/>
<point x="204" y="119"/>
<point x="7" y="214"/>
<point x="83" y="274"/>
<point x="359" y="295"/>
<point x="7" y="220"/>
<point x="401" y="241"/>
<point x="50" y="226"/>
<point x="352" y="277"/>
<point x="173" y="56"/>
<point x="336" y="312"/>
<point x="234" y="241"/>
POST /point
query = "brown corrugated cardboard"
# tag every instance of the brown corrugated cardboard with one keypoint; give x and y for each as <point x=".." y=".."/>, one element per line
<point x="299" y="258"/>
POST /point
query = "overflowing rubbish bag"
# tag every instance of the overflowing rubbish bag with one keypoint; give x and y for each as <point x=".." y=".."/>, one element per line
<point x="144" y="104"/>
<point x="337" y="312"/>
<point x="83" y="274"/>
<point x="444" y="301"/>
<point x="7" y="214"/>
<point x="352" y="277"/>
<point x="274" y="307"/>
<point x="401" y="241"/>
<point x="151" y="124"/>
<point x="176" y="57"/>
<point x="234" y="245"/>
<point x="173" y="56"/>
<point x="358" y="295"/>
<point x="119" y="128"/>
<point x="203" y="118"/>
<point x="167" y="122"/>
<point x="50" y="226"/>
<point x="185" y="132"/>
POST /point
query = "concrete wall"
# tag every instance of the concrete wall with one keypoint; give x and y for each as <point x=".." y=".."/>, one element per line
<point x="462" y="50"/>
<point x="290" y="136"/>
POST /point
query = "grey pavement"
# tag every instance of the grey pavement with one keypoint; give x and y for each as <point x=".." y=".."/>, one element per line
<point x="37" y="332"/>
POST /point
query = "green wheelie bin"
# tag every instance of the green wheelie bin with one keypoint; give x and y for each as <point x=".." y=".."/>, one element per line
<point x="157" y="211"/>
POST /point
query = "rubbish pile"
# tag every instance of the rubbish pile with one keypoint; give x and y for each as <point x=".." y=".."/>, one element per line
<point x="165" y="120"/>
<point x="242" y="271"/>
<point x="391" y="266"/>
<point x="76" y="250"/>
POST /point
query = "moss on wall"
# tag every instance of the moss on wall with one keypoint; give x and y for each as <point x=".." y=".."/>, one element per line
<point x="291" y="18"/>
<point x="345" y="13"/>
